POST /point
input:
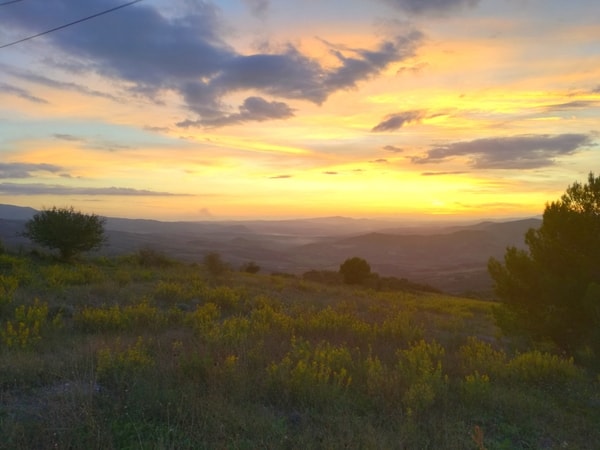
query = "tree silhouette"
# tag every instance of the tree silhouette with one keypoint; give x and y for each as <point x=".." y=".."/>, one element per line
<point x="214" y="264"/>
<point x="552" y="291"/>
<point x="70" y="232"/>
<point x="355" y="270"/>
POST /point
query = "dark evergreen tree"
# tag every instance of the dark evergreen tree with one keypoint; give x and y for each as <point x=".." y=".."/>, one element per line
<point x="552" y="291"/>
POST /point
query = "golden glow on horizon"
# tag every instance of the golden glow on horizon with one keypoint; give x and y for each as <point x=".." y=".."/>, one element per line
<point x="480" y="73"/>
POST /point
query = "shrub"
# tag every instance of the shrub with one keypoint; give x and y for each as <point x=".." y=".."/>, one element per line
<point x="227" y="298"/>
<point x="400" y="328"/>
<point x="25" y="330"/>
<point x="8" y="286"/>
<point x="476" y="386"/>
<point x="214" y="264"/>
<point x="69" y="231"/>
<point x="420" y="370"/>
<point x="355" y="270"/>
<point x="171" y="292"/>
<point x="541" y="369"/>
<point x="149" y="257"/>
<point x="203" y="319"/>
<point x="118" y="318"/>
<point x="58" y="276"/>
<point x="312" y="376"/>
<point x="250" y="267"/>
<point x="480" y="357"/>
<point x="120" y="367"/>
<point x="382" y="384"/>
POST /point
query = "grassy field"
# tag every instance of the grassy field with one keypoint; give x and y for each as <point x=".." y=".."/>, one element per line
<point x="140" y="352"/>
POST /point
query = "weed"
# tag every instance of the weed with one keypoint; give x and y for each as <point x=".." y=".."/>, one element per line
<point x="420" y="369"/>
<point x="313" y="376"/>
<point x="25" y="331"/>
<point x="171" y="292"/>
<point x="119" y="367"/>
<point x="59" y="275"/>
<point x="477" y="356"/>
<point x="542" y="369"/>
<point x="8" y="286"/>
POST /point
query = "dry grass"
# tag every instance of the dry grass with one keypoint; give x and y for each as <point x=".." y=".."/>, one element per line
<point x="165" y="356"/>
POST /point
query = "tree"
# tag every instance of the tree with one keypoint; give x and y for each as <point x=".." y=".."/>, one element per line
<point x="355" y="270"/>
<point x="70" y="232"/>
<point x="552" y="291"/>
<point x="250" y="267"/>
<point x="214" y="264"/>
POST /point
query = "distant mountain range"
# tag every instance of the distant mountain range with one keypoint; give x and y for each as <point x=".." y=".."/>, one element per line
<point x="452" y="258"/>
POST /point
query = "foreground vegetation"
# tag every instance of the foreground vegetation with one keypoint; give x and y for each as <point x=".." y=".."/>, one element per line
<point x="147" y="353"/>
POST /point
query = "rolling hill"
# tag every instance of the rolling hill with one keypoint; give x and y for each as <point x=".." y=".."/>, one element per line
<point x="452" y="258"/>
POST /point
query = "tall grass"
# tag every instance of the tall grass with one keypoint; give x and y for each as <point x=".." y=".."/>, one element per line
<point x="143" y="352"/>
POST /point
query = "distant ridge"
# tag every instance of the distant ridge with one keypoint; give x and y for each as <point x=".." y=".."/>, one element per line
<point x="451" y="257"/>
<point x="11" y="212"/>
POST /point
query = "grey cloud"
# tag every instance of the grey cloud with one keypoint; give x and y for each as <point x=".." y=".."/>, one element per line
<point x="42" y="189"/>
<point x="45" y="81"/>
<point x="366" y="63"/>
<point x="393" y="149"/>
<point x="280" y="177"/>
<point x="379" y="161"/>
<point x="258" y="7"/>
<point x="418" y="68"/>
<point x="253" y="109"/>
<point x="289" y="75"/>
<point x="19" y="92"/>
<point x="435" y="174"/>
<point x="25" y="170"/>
<point x="152" y="52"/>
<point x="67" y="137"/>
<point x="395" y="121"/>
<point x="205" y="212"/>
<point x="156" y="129"/>
<point x="330" y="172"/>
<point x="431" y="6"/>
<point x="516" y="152"/>
<point x="576" y="104"/>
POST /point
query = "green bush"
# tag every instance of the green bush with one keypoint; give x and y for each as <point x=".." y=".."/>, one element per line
<point x="310" y="375"/>
<point x="480" y="357"/>
<point x="117" y="318"/>
<point x="8" y="286"/>
<point x="70" y="232"/>
<point x="25" y="331"/>
<point x="420" y="371"/>
<point x="59" y="276"/>
<point x="542" y="369"/>
<point x="170" y="291"/>
<point x="120" y="367"/>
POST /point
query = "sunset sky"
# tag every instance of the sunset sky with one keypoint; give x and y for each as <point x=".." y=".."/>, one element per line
<point x="198" y="110"/>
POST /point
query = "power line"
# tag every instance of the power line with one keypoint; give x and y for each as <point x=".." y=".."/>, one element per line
<point x="69" y="24"/>
<point x="11" y="1"/>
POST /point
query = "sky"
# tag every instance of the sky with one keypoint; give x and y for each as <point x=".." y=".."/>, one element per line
<point x="244" y="109"/>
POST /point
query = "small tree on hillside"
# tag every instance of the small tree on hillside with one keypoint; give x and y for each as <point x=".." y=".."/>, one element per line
<point x="552" y="291"/>
<point x="214" y="264"/>
<point x="355" y="270"/>
<point x="250" y="267"/>
<point x="66" y="230"/>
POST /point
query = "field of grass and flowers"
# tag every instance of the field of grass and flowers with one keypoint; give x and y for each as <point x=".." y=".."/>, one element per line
<point x="141" y="352"/>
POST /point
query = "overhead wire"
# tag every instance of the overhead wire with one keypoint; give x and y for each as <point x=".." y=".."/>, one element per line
<point x="9" y="2"/>
<point x="69" y="24"/>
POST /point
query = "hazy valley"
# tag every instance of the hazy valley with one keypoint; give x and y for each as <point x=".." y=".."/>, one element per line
<point x="450" y="257"/>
